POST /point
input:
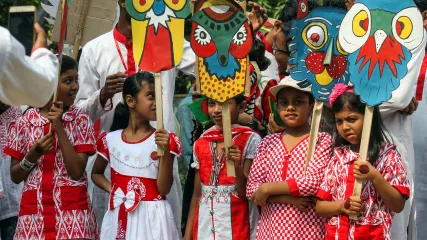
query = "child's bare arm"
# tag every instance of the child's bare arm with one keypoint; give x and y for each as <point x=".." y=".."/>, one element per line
<point x="165" y="175"/>
<point x="301" y="203"/>
<point x="98" y="176"/>
<point x="328" y="209"/>
<point x="197" y="192"/>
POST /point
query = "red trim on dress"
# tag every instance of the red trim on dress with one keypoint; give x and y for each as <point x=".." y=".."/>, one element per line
<point x="85" y="148"/>
<point x="140" y="141"/>
<point x="284" y="145"/>
<point x="325" y="196"/>
<point x="293" y="187"/>
<point x="13" y="153"/>
<point x="404" y="191"/>
<point x="421" y="80"/>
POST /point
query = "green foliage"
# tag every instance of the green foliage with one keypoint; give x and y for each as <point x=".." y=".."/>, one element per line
<point x="6" y="4"/>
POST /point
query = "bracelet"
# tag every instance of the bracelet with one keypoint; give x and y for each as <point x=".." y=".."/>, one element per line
<point x="27" y="165"/>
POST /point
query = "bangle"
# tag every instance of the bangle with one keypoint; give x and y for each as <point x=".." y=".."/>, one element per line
<point x="26" y="165"/>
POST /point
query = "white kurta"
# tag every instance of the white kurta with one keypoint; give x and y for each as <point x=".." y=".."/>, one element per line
<point x="419" y="120"/>
<point x="399" y="126"/>
<point x="25" y="80"/>
<point x="100" y="59"/>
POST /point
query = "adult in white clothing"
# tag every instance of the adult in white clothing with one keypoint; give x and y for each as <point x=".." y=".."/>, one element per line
<point x="104" y="64"/>
<point x="26" y="80"/>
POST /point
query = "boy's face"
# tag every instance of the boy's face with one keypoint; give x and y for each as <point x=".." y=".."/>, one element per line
<point x="280" y="53"/>
<point x="215" y="111"/>
<point x="294" y="107"/>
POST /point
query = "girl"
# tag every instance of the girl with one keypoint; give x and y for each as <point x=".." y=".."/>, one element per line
<point x="219" y="208"/>
<point x="55" y="202"/>
<point x="140" y="179"/>
<point x="278" y="170"/>
<point x="385" y="188"/>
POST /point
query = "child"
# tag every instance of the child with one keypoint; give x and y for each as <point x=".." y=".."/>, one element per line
<point x="219" y="209"/>
<point x="9" y="205"/>
<point x="140" y="179"/>
<point x="278" y="170"/>
<point x="55" y="202"/>
<point x="386" y="185"/>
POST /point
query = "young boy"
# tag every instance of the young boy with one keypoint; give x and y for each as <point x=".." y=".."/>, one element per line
<point x="10" y="197"/>
<point x="277" y="180"/>
<point x="219" y="209"/>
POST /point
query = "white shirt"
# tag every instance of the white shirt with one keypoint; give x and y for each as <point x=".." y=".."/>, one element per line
<point x="100" y="59"/>
<point x="25" y="80"/>
<point x="400" y="128"/>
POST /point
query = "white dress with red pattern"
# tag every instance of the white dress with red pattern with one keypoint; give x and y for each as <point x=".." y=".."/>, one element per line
<point x="53" y="205"/>
<point x="374" y="220"/>
<point x="136" y="209"/>
<point x="222" y="214"/>
<point x="274" y="163"/>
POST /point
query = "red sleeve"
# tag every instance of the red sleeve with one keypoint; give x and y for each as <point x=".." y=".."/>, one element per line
<point x="268" y="47"/>
<point x="328" y="182"/>
<point x="84" y="141"/>
<point x="102" y="146"/>
<point x="17" y="144"/>
<point x="395" y="173"/>
<point x="308" y="184"/>
<point x="175" y="145"/>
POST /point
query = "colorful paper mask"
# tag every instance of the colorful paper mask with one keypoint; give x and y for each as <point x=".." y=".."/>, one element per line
<point x="316" y="57"/>
<point x="158" y="32"/>
<point x="379" y="37"/>
<point x="221" y="37"/>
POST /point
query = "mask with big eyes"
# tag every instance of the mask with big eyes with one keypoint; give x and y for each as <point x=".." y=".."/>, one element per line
<point x="222" y="38"/>
<point x="379" y="37"/>
<point x="316" y="58"/>
<point x="226" y="36"/>
<point x="139" y="8"/>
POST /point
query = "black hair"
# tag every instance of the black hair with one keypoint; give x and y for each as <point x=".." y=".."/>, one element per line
<point x="310" y="96"/>
<point x="132" y="86"/>
<point x="335" y="4"/>
<point x="68" y="63"/>
<point x="421" y="4"/>
<point x="353" y="102"/>
<point x="290" y="12"/>
<point x="239" y="98"/>
<point x="257" y="54"/>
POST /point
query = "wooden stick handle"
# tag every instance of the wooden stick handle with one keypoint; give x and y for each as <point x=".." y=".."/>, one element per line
<point x="364" y="146"/>
<point x="81" y="28"/>
<point x="159" y="108"/>
<point x="315" y="123"/>
<point x="228" y="140"/>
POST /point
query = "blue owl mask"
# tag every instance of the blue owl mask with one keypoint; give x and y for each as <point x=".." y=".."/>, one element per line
<point x="316" y="57"/>
<point x="379" y="37"/>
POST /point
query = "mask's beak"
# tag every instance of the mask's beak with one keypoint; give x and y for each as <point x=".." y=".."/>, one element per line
<point x="328" y="58"/>
<point x="380" y="36"/>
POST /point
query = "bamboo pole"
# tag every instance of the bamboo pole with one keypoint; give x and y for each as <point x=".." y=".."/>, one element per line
<point x="363" y="152"/>
<point x="81" y="28"/>
<point x="315" y="124"/>
<point x="159" y="108"/>
<point x="228" y="140"/>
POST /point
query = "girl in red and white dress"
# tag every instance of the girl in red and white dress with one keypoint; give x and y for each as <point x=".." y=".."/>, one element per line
<point x="219" y="208"/>
<point x="277" y="180"/>
<point x="140" y="179"/>
<point x="385" y="183"/>
<point x="55" y="202"/>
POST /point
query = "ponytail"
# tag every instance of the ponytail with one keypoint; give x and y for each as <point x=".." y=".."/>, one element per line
<point x="121" y="117"/>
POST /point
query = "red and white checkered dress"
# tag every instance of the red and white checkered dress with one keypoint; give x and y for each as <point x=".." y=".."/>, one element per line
<point x="53" y="205"/>
<point x="274" y="163"/>
<point x="374" y="220"/>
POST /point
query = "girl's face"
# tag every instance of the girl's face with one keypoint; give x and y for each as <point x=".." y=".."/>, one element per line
<point x="294" y="107"/>
<point x="349" y="125"/>
<point x="145" y="102"/>
<point x="215" y="111"/>
<point x="68" y="87"/>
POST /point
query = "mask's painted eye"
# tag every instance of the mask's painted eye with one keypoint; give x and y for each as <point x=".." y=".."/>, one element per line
<point x="241" y="36"/>
<point x="408" y="28"/>
<point x="202" y="36"/>
<point x="361" y="24"/>
<point x="175" y="5"/>
<point x="315" y="35"/>
<point x="355" y="28"/>
<point x="142" y="6"/>
<point x="340" y="50"/>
